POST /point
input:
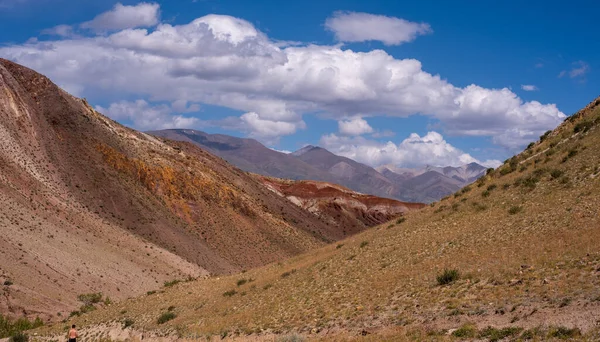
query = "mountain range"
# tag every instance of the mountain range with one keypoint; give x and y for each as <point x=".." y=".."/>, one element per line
<point x="315" y="163"/>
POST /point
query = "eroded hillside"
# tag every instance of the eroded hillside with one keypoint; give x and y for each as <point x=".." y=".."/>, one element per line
<point x="520" y="246"/>
<point x="87" y="205"/>
<point x="337" y="205"/>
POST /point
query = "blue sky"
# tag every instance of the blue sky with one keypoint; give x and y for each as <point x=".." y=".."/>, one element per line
<point x="403" y="83"/>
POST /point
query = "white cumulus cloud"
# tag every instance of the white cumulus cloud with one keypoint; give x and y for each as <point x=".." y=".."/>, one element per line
<point x="356" y="126"/>
<point x="360" y="27"/>
<point x="146" y="116"/>
<point x="414" y="151"/>
<point x="225" y="61"/>
<point x="122" y="17"/>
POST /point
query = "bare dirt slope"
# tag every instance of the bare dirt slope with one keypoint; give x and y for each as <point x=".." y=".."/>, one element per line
<point x="523" y="241"/>
<point x="89" y="205"/>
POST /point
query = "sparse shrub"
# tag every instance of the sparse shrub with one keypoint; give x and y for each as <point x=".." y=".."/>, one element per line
<point x="545" y="135"/>
<point x="489" y="170"/>
<point x="128" y="322"/>
<point x="8" y="282"/>
<point x="241" y="282"/>
<point x="340" y="245"/>
<point x="288" y="273"/>
<point x="479" y="206"/>
<point x="74" y="313"/>
<point x="491" y="187"/>
<point x="171" y="308"/>
<point x="564" y="333"/>
<point x="465" y="189"/>
<point x="515" y="209"/>
<point x="268" y="286"/>
<point x="87" y="308"/>
<point x="494" y="334"/>
<point x="530" y="182"/>
<point x="564" y="180"/>
<point x="400" y="220"/>
<point x="150" y="292"/>
<point x="583" y="126"/>
<point x="364" y="244"/>
<point x="229" y="293"/>
<point x="90" y="298"/>
<point x="19" y="337"/>
<point x="165" y="317"/>
<point x="466" y="331"/>
<point x="448" y="277"/>
<point x="530" y="145"/>
<point x="455" y="206"/>
<point x="572" y="153"/>
<point x="550" y="152"/>
<point x="486" y="193"/>
<point x="172" y="282"/>
<point x="14" y="328"/>
<point x="527" y="335"/>
<point x="505" y="186"/>
<point x="556" y="173"/>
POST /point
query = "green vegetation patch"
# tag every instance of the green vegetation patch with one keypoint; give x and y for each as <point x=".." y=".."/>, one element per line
<point x="165" y="317"/>
<point x="448" y="277"/>
<point x="10" y="327"/>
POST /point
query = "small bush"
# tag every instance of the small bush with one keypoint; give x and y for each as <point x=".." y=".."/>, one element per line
<point x="172" y="282"/>
<point x="8" y="282"/>
<point x="241" y="282"/>
<point x="556" y="173"/>
<point x="87" y="308"/>
<point x="364" y="244"/>
<point x="339" y="246"/>
<point x="288" y="273"/>
<point x="400" y="220"/>
<point x="486" y="193"/>
<point x="465" y="189"/>
<point x="583" y="126"/>
<point x="515" y="209"/>
<point x="150" y="293"/>
<point x="489" y="170"/>
<point x="229" y="293"/>
<point x="564" y="333"/>
<point x="90" y="298"/>
<point x="128" y="322"/>
<point x="491" y="187"/>
<point x="448" y="277"/>
<point x="530" y="146"/>
<point x="165" y="317"/>
<point x="268" y="286"/>
<point x="19" y="337"/>
<point x="479" y="206"/>
<point x="494" y="334"/>
<point x="505" y="186"/>
<point x="466" y="331"/>
<point x="530" y="182"/>
<point x="545" y="135"/>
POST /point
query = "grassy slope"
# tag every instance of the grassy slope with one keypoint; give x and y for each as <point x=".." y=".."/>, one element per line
<point x="537" y="266"/>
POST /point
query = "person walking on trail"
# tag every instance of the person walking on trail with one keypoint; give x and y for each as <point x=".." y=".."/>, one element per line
<point x="73" y="334"/>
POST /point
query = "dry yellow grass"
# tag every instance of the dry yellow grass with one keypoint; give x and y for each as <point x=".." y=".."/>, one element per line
<point x="525" y="243"/>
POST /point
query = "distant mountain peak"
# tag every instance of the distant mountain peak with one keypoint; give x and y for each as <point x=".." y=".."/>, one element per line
<point x="303" y="150"/>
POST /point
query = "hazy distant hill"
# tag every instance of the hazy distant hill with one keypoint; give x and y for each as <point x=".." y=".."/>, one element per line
<point x="316" y="163"/>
